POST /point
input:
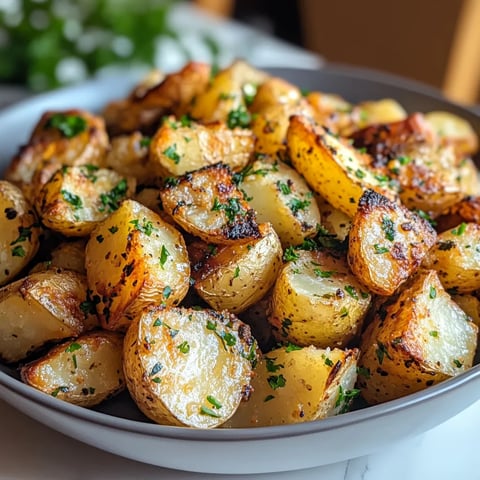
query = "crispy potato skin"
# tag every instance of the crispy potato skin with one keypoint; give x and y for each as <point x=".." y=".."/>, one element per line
<point x="317" y="301"/>
<point x="234" y="277"/>
<point x="467" y="210"/>
<point x="19" y="232"/>
<point x="387" y="243"/>
<point x="300" y="385"/>
<point x="84" y="372"/>
<point x="208" y="204"/>
<point x="418" y="340"/>
<point x="188" y="367"/>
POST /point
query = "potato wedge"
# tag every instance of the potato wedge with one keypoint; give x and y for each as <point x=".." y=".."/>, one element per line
<point x="317" y="301"/>
<point x="176" y="150"/>
<point x="66" y="256"/>
<point x="456" y="258"/>
<point x="387" y="243"/>
<point x="293" y="385"/>
<point x="19" y="231"/>
<point x="188" y="367"/>
<point x="208" y="204"/>
<point x="234" y="277"/>
<point x="422" y="338"/>
<point x="334" y="170"/>
<point x="275" y="91"/>
<point x="76" y="199"/>
<point x="134" y="258"/>
<point x="281" y="196"/>
<point x="85" y="371"/>
<point x="40" y="308"/>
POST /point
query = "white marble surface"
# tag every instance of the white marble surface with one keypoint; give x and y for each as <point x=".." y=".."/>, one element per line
<point x="31" y="451"/>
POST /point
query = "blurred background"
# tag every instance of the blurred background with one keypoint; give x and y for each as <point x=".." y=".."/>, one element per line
<point x="46" y="43"/>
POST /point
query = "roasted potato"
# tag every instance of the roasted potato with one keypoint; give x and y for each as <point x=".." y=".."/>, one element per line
<point x="208" y="204"/>
<point x="188" y="367"/>
<point x="418" y="340"/>
<point x="234" y="277"/>
<point x="43" y="307"/>
<point x="465" y="211"/>
<point x="281" y="196"/>
<point x="275" y="91"/>
<point x="69" y="255"/>
<point x="134" y="258"/>
<point x="333" y="169"/>
<point x="456" y="258"/>
<point x="387" y="243"/>
<point x="317" y="301"/>
<point x="85" y="371"/>
<point x="293" y="385"/>
<point x="335" y="222"/>
<point x="176" y="149"/>
<point x="76" y="199"/>
<point x="19" y="231"/>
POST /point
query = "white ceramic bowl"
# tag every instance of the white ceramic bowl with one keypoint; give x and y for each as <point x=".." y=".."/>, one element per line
<point x="118" y="427"/>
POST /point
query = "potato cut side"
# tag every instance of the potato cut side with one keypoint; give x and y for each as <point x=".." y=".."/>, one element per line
<point x="334" y="222"/>
<point x="19" y="231"/>
<point x="281" y="196"/>
<point x="456" y="258"/>
<point x="85" y="371"/>
<point x="333" y="169"/>
<point x="176" y="149"/>
<point x="43" y="307"/>
<point x="234" y="277"/>
<point x="134" y="258"/>
<point x="76" y="199"/>
<point x="420" y="339"/>
<point x="275" y="91"/>
<point x="188" y="367"/>
<point x="293" y="385"/>
<point x="207" y="204"/>
<point x="317" y="301"/>
<point x="387" y="243"/>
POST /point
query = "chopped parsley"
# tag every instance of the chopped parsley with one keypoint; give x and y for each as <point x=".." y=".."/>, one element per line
<point x="211" y="399"/>
<point x="73" y="347"/>
<point x="72" y="199"/>
<point x="164" y="254"/>
<point x="291" y="347"/>
<point x="327" y="360"/>
<point x="290" y="255"/>
<point x="63" y="389"/>
<point x="351" y="291"/>
<point x="382" y="352"/>
<point x="345" y="398"/>
<point x="18" y="251"/>
<point x="24" y="234"/>
<point x="171" y="153"/>
<point x="388" y="228"/>
<point x="239" y="117"/>
<point x="380" y="250"/>
<point x="146" y="227"/>
<point x="458" y="363"/>
<point x="433" y="333"/>
<point x="284" y="187"/>
<point x="236" y="273"/>
<point x="271" y="365"/>
<point x="145" y="142"/>
<point x="460" y="230"/>
<point x="167" y="291"/>
<point x="184" y="347"/>
<point x="433" y="292"/>
<point x="111" y="200"/>
<point x="68" y="125"/>
<point x="297" y="205"/>
<point x="232" y="208"/>
<point x="276" y="381"/>
<point x="323" y="273"/>
<point x="210" y="412"/>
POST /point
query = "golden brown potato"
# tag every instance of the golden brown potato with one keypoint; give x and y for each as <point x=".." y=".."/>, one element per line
<point x="333" y="169"/>
<point x="465" y="211"/>
<point x="176" y="149"/>
<point x="19" y="231"/>
<point x="456" y="258"/>
<point x="234" y="277"/>
<point x="188" y="367"/>
<point x="373" y="112"/>
<point x="317" y="301"/>
<point x="387" y="243"/>
<point x="334" y="221"/>
<point x="420" y="339"/>
<point x="293" y="385"/>
<point x="76" y="199"/>
<point x="275" y="91"/>
<point x="43" y="307"/>
<point x="281" y="196"/>
<point x="85" y="371"/>
<point x="134" y="258"/>
<point x="470" y="305"/>
<point x="208" y="204"/>
<point x="66" y="256"/>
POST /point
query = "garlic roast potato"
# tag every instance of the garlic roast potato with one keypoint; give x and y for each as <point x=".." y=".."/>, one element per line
<point x="85" y="371"/>
<point x="188" y="367"/>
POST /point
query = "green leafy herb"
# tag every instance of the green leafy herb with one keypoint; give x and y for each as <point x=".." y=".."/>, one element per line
<point x="351" y="291"/>
<point x="184" y="347"/>
<point x="388" y="228"/>
<point x="433" y="292"/>
<point x="239" y="117"/>
<point x="62" y="389"/>
<point x="208" y="411"/>
<point x="18" y="251"/>
<point x="145" y="227"/>
<point x="271" y="365"/>
<point x="291" y="347"/>
<point x="171" y="153"/>
<point x="284" y="187"/>
<point x="68" y="125"/>
<point x="446" y="245"/>
<point x="404" y="160"/>
<point x="433" y="333"/>
<point x="72" y="199"/>
<point x="290" y="255"/>
<point x="113" y="229"/>
<point x="380" y="250"/>
<point x="460" y="230"/>
<point x="232" y="208"/>
<point x="164" y="254"/>
<point x="236" y="273"/>
<point x="458" y="363"/>
<point x="276" y="381"/>
<point x="345" y="398"/>
<point x="323" y="273"/>
<point x="155" y="369"/>
<point x="268" y="398"/>
<point x="360" y="173"/>
<point x="167" y="291"/>
<point x="145" y="142"/>
<point x="249" y="91"/>
<point x="364" y="372"/>
<point x="426" y="217"/>
<point x="297" y="205"/>
<point x="157" y="323"/>
<point x="73" y="347"/>
<point x="230" y="339"/>
<point x="381" y="352"/>
<point x="211" y="399"/>
<point x="24" y="234"/>
<point x="111" y="200"/>
<point x="327" y="361"/>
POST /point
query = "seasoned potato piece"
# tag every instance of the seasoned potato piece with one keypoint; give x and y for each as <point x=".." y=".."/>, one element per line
<point x="387" y="243"/>
<point x="43" y="307"/>
<point x="70" y="137"/>
<point x="19" y="231"/>
<point x="453" y="129"/>
<point x="456" y="258"/>
<point x="281" y="196"/>
<point x="128" y="155"/>
<point x="188" y="367"/>
<point x="317" y="301"/>
<point x="67" y="256"/>
<point x="75" y="199"/>
<point x="134" y="258"/>
<point x="470" y="305"/>
<point x="333" y="169"/>
<point x="234" y="277"/>
<point x="334" y="221"/>
<point x="275" y="91"/>
<point x="150" y="198"/>
<point x="386" y="110"/>
<point x="208" y="204"/>
<point x="145" y="107"/>
<point x="468" y="177"/>
<point x="85" y="371"/>
<point x="293" y="385"/>
<point x="419" y="340"/>
<point x="176" y="150"/>
<point x="225" y="96"/>
<point x="465" y="211"/>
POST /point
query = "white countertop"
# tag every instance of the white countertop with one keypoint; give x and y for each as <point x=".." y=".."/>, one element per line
<point x="31" y="451"/>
